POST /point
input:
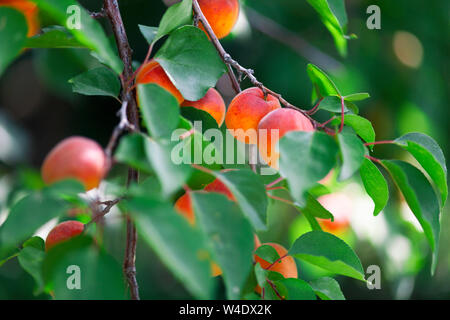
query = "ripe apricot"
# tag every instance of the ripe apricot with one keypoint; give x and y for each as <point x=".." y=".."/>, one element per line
<point x="341" y="206"/>
<point x="245" y="112"/>
<point x="212" y="103"/>
<point x="29" y="10"/>
<point x="275" y="125"/>
<point x="152" y="72"/>
<point x="221" y="15"/>
<point x="78" y="158"/>
<point x="286" y="265"/>
<point x="63" y="232"/>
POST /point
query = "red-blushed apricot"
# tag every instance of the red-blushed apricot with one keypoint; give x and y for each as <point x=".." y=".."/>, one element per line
<point x="212" y="103"/>
<point x="152" y="72"/>
<point x="184" y="207"/>
<point x="63" y="232"/>
<point x="245" y="112"/>
<point x="77" y="158"/>
<point x="221" y="15"/>
<point x="341" y="206"/>
<point x="29" y="10"/>
<point x="273" y="126"/>
<point x="286" y="264"/>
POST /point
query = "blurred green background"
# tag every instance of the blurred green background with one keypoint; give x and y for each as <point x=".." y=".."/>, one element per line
<point x="404" y="67"/>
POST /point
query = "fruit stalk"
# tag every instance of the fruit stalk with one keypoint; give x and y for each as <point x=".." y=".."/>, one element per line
<point x="111" y="8"/>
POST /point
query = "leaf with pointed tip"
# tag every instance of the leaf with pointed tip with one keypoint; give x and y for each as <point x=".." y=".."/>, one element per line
<point x="323" y="86"/>
<point x="54" y="37"/>
<point x="99" y="81"/>
<point x="328" y="252"/>
<point x="177" y="15"/>
<point x="375" y="185"/>
<point x="267" y="253"/>
<point x="149" y="33"/>
<point x="334" y="104"/>
<point x="327" y="289"/>
<point x="296" y="289"/>
<point x="357" y="96"/>
<point x="421" y="199"/>
<point x="352" y="151"/>
<point x="362" y="126"/>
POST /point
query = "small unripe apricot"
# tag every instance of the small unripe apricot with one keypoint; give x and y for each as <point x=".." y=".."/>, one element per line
<point x="29" y="10"/>
<point x="152" y="72"/>
<point x="63" y="232"/>
<point x="245" y="112"/>
<point x="212" y="103"/>
<point x="77" y="158"/>
<point x="286" y="265"/>
<point x="221" y="15"/>
<point x="274" y="126"/>
<point x="341" y="206"/>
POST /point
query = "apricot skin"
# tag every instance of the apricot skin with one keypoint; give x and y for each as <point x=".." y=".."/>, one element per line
<point x="152" y="72"/>
<point x="212" y="103"/>
<point x="221" y="15"/>
<point x="341" y="206"/>
<point x="76" y="158"/>
<point x="30" y="11"/>
<point x="284" y="120"/>
<point x="63" y="232"/>
<point x="286" y="266"/>
<point x="246" y="110"/>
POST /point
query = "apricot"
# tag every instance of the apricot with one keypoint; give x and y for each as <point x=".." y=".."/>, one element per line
<point x="341" y="206"/>
<point x="152" y="72"/>
<point x="63" y="232"/>
<point x="221" y="15"/>
<point x="29" y="10"/>
<point x="77" y="158"/>
<point x="286" y="265"/>
<point x="212" y="103"/>
<point x="245" y="112"/>
<point x="274" y="126"/>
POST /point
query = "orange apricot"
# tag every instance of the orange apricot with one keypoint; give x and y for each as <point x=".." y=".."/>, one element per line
<point x="286" y="264"/>
<point x="29" y="10"/>
<point x="341" y="206"/>
<point x="245" y="112"/>
<point x="77" y="158"/>
<point x="63" y="232"/>
<point x="152" y="72"/>
<point x="274" y="126"/>
<point x="184" y="207"/>
<point x="212" y="103"/>
<point x="221" y="15"/>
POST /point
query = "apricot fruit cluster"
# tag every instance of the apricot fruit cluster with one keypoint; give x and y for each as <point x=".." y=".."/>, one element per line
<point x="63" y="232"/>
<point x="76" y="158"/>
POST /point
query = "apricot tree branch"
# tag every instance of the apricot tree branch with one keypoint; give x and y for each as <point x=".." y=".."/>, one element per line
<point x="111" y="7"/>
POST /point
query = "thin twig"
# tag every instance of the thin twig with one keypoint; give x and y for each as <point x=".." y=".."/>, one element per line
<point x="373" y="159"/>
<point x="111" y="8"/>
<point x="274" y="182"/>
<point x="379" y="142"/>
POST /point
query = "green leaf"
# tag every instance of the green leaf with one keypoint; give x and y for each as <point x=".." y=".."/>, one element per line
<point x="323" y="86"/>
<point x="191" y="62"/>
<point x="334" y="104"/>
<point x="421" y="199"/>
<point x="181" y="247"/>
<point x="131" y="151"/>
<point x="250" y="193"/>
<point x="197" y="115"/>
<point x="352" y="151"/>
<point x="328" y="252"/>
<point x="327" y="289"/>
<point x="362" y="126"/>
<point x="171" y="175"/>
<point x="357" y="96"/>
<point x="430" y="156"/>
<point x="177" y="15"/>
<point x="101" y="276"/>
<point x="230" y="236"/>
<point x="99" y="81"/>
<point x="31" y="258"/>
<point x="13" y="35"/>
<point x="160" y="110"/>
<point x="149" y="33"/>
<point x="54" y="37"/>
<point x="305" y="158"/>
<point x="334" y="17"/>
<point x="375" y="185"/>
<point x="296" y="289"/>
<point x="315" y="209"/>
<point x="267" y="253"/>
<point x="26" y="216"/>
<point x="89" y="33"/>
